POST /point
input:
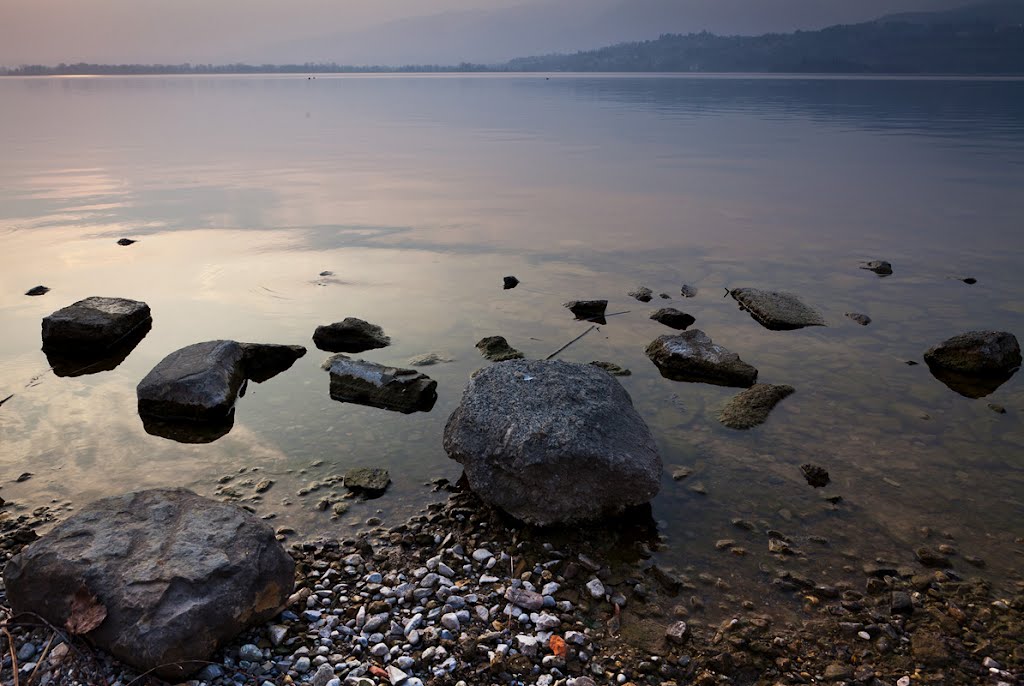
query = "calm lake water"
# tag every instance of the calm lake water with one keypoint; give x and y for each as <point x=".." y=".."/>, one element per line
<point x="420" y="193"/>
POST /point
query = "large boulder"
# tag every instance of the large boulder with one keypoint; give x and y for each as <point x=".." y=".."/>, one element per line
<point x="692" y="356"/>
<point x="776" y="310"/>
<point x="975" y="363"/>
<point x="94" y="324"/>
<point x="552" y="442"/>
<point x="377" y="385"/>
<point x="351" y="335"/>
<point x="178" y="575"/>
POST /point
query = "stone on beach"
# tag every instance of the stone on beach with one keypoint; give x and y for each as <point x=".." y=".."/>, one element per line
<point x="671" y="317"/>
<point x="497" y="349"/>
<point x="377" y="385"/>
<point x="372" y="480"/>
<point x="351" y="335"/>
<point x="975" y="363"/>
<point x="178" y="575"/>
<point x="692" y="356"/>
<point x="552" y="442"/>
<point x="94" y="324"/>
<point x="777" y="310"/>
<point x="752" y="406"/>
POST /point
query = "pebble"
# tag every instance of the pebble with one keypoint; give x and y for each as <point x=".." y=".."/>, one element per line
<point x="302" y="665"/>
<point x="596" y="589"/>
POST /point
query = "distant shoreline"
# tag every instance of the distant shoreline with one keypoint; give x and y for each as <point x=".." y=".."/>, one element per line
<point x="853" y="76"/>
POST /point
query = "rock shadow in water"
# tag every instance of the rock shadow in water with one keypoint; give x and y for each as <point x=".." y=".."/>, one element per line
<point x="66" y="363"/>
<point x="972" y="386"/>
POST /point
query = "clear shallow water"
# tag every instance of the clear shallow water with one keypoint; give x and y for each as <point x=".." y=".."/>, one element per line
<point x="420" y="193"/>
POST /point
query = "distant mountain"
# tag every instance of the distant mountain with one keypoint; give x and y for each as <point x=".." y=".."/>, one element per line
<point x="981" y="39"/>
<point x="546" y="26"/>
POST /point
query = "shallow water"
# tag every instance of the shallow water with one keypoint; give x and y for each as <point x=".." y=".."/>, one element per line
<point x="420" y="193"/>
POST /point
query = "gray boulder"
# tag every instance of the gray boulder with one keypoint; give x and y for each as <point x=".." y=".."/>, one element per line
<point x="351" y="335"/>
<point x="552" y="442"/>
<point x="975" y="363"/>
<point x="376" y="385"/>
<point x="178" y="576"/>
<point x="776" y="310"/>
<point x="692" y="356"/>
<point x="93" y="324"/>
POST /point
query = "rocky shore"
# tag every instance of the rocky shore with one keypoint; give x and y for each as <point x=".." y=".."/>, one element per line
<point x="461" y="594"/>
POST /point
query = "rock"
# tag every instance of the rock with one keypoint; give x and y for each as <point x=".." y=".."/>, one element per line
<point x="998" y="409"/>
<point x="688" y="291"/>
<point x="552" y="442"/>
<point x="37" y="290"/>
<point x="976" y="363"/>
<point x="521" y="597"/>
<point x="969" y="280"/>
<point x="427" y="359"/>
<point x="677" y="633"/>
<point x="776" y="310"/>
<point x="838" y="672"/>
<point x="692" y="356"/>
<point x="928" y="648"/>
<point x="199" y="382"/>
<point x="510" y="282"/>
<point x="497" y="349"/>
<point x="373" y="480"/>
<point x="596" y="589"/>
<point x="861" y="319"/>
<point x="611" y="368"/>
<point x="323" y="675"/>
<point x="350" y="335"/>
<point x="670" y="316"/>
<point x="263" y="361"/>
<point x="126" y="241"/>
<point x="901" y="604"/>
<point x="880" y="267"/>
<point x="588" y="309"/>
<point x="752" y="406"/>
<point x="930" y="558"/>
<point x="94" y="325"/>
<point x="367" y="383"/>
<point x="642" y="293"/>
<point x="816" y="476"/>
<point x="178" y="574"/>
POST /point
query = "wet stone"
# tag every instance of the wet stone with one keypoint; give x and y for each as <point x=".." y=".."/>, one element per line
<point x="693" y="356"/>
<point x="751" y="407"/>
<point x="612" y="368"/>
<point x="671" y="317"/>
<point x="880" y="267"/>
<point x="588" y="309"/>
<point x="816" y="476"/>
<point x="368" y="479"/>
<point x="509" y="282"/>
<point x="37" y="290"/>
<point x="497" y="349"/>
<point x="642" y="293"/>
<point x="777" y="310"/>
<point x="351" y="335"/>
<point x="861" y="319"/>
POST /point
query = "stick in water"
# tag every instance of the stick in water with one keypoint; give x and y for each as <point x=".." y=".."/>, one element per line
<point x="592" y="327"/>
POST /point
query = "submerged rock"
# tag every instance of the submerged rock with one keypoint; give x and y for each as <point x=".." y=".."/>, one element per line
<point x="814" y="475"/>
<point x="497" y="349"/>
<point x="688" y="291"/>
<point x="94" y="324"/>
<point x="861" y="319"/>
<point x="510" y="282"/>
<point x="552" y="442"/>
<point x="176" y="575"/>
<point x="752" y="407"/>
<point x="37" y="290"/>
<point x="372" y="480"/>
<point x="428" y="359"/>
<point x="880" y="267"/>
<point x="263" y="361"/>
<point x="643" y="294"/>
<point x="692" y="356"/>
<point x="777" y="310"/>
<point x="350" y="335"/>
<point x="377" y="385"/>
<point x="611" y="368"/>
<point x="976" y="363"/>
<point x="670" y="316"/>
<point x="588" y="309"/>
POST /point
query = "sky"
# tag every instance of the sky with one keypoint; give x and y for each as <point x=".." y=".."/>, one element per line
<point x="381" y="31"/>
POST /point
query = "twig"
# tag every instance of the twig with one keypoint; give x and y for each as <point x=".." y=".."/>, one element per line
<point x="14" y="656"/>
<point x="6" y="399"/>
<point x="42" y="658"/>
<point x="592" y="327"/>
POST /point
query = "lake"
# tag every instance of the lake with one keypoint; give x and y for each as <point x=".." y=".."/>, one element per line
<point x="419" y="193"/>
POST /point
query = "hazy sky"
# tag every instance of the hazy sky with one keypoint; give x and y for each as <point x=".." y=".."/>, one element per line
<point x="171" y="31"/>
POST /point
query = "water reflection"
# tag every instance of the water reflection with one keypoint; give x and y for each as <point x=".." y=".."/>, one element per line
<point x="184" y="431"/>
<point x="970" y="385"/>
<point x="69" y="363"/>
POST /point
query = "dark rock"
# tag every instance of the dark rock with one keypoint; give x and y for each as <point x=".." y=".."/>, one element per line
<point x="976" y="363"/>
<point x="37" y="290"/>
<point x="776" y="310"/>
<point x="970" y="280"/>
<point x="998" y="409"/>
<point x="126" y="241"/>
<point x="611" y="368"/>
<point x="497" y="349"/>
<point x="94" y="324"/>
<point x="510" y="282"/>
<point x="692" y="356"/>
<point x="66" y="362"/>
<point x="326" y="273"/>
<point x="879" y="267"/>
<point x="901" y="604"/>
<point x="370" y="480"/>
<point x="199" y="382"/>
<point x="376" y="385"/>
<point x="931" y="558"/>
<point x="179" y="575"/>
<point x="642" y="293"/>
<point x="588" y="309"/>
<point x="752" y="406"/>
<point x="552" y="442"/>
<point x="861" y="319"/>
<point x="688" y="291"/>
<point x="263" y="361"/>
<point x="351" y="335"/>
<point x="664" y="296"/>
<point x="816" y="476"/>
<point x="670" y="316"/>
<point x="188" y="431"/>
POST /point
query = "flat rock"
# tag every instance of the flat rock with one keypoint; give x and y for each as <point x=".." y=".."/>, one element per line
<point x="37" y="290"/>
<point x="752" y="406"/>
<point x="777" y="310"/>
<point x="497" y="349"/>
<point x="861" y="319"/>
<point x="642" y="293"/>
<point x="199" y="382"/>
<point x="428" y="359"/>
<point x="975" y="363"/>
<point x="126" y="241"/>
<point x="692" y="356"/>
<point x="670" y="316"/>
<point x="372" y="480"/>
<point x="552" y="442"/>
<point x="588" y="309"/>
<point x="377" y="385"/>
<point x="611" y="368"/>
<point x="350" y="335"/>
<point x="179" y="575"/>
<point x="93" y="324"/>
<point x="880" y="267"/>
